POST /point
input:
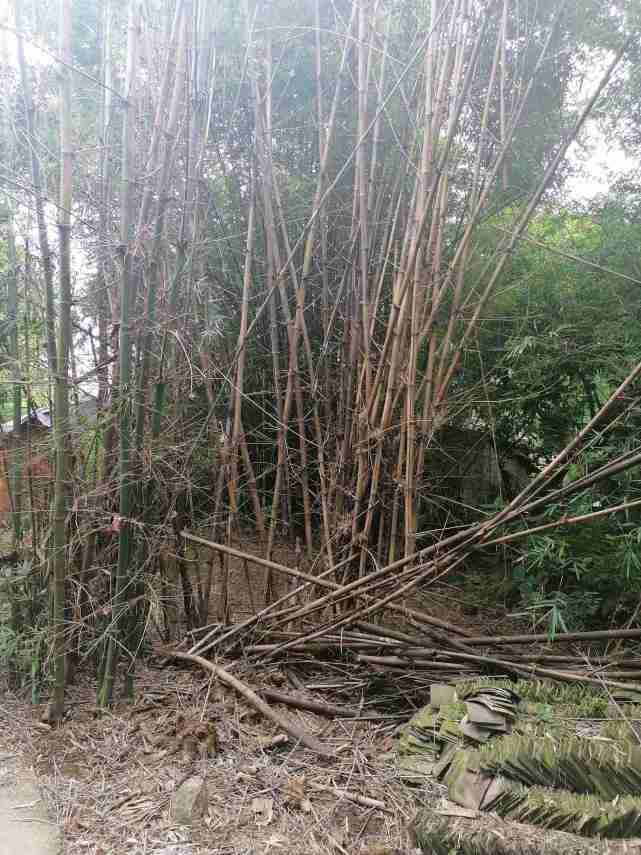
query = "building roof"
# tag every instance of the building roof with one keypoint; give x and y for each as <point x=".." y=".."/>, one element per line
<point x="42" y="417"/>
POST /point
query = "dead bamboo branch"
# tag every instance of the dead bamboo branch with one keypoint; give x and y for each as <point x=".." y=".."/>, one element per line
<point x="536" y="671"/>
<point x="557" y="638"/>
<point x="295" y="701"/>
<point x="283" y="723"/>
<point x="318" y="581"/>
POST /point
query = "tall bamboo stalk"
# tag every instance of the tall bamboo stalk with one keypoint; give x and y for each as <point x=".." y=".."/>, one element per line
<point x="237" y="428"/>
<point x="15" y="459"/>
<point x="451" y="68"/>
<point x="125" y="468"/>
<point x="61" y="379"/>
<point x="38" y="192"/>
<point x="295" y="327"/>
<point x="174" y="72"/>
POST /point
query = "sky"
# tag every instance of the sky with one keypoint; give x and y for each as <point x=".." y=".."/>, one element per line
<point x="604" y="163"/>
<point x="600" y="161"/>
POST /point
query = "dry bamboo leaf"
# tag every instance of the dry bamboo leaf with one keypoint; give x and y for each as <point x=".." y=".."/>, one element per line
<point x="294" y="793"/>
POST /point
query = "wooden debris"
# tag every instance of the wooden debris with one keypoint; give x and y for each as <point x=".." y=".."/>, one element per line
<point x="299" y="703"/>
<point x="252" y="698"/>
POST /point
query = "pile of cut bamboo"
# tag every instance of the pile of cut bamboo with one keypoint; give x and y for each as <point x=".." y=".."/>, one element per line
<point x="436" y="649"/>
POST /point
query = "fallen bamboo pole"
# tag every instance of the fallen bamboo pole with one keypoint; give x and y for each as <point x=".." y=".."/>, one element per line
<point x="321" y="646"/>
<point x="592" y="662"/>
<point x="295" y="701"/>
<point x="588" y="661"/>
<point x="557" y="638"/>
<point x="536" y="671"/>
<point x="429" y="664"/>
<point x="319" y="581"/>
<point x="376" y="605"/>
<point x="290" y="727"/>
<point x="313" y="648"/>
<point x="414" y="663"/>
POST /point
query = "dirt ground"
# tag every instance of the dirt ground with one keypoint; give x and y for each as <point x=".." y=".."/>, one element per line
<point x="109" y="777"/>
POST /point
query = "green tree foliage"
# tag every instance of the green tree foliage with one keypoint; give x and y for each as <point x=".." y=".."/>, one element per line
<point x="559" y="332"/>
<point x="558" y="338"/>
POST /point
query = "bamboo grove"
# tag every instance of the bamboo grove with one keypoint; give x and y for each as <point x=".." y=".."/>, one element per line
<point x="271" y="241"/>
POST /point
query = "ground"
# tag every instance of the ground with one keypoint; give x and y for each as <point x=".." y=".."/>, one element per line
<point x="25" y="825"/>
<point x="109" y="777"/>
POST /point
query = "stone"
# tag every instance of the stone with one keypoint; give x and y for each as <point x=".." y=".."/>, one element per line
<point x="189" y="802"/>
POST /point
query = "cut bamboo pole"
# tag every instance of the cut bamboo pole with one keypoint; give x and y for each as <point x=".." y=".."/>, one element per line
<point x="556" y="638"/>
<point x="312" y="580"/>
<point x="286" y="724"/>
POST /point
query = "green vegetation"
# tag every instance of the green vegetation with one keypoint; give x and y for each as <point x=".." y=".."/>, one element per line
<point x="332" y="291"/>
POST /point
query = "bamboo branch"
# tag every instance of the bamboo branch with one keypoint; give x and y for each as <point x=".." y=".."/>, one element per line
<point x="283" y="723"/>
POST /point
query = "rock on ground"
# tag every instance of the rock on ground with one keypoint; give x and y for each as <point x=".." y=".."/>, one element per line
<point x="189" y="802"/>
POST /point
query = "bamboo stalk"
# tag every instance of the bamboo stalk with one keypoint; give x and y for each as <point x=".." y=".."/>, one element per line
<point x="125" y="470"/>
<point x="15" y="459"/>
<point x="509" y="244"/>
<point x="295" y="701"/>
<point x="294" y="329"/>
<point x="565" y="520"/>
<point x="232" y="485"/>
<point x="61" y="382"/>
<point x="39" y="193"/>
<point x="176" y="60"/>
<point x="557" y="638"/>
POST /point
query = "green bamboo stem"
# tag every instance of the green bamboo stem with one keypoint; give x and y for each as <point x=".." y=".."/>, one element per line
<point x="125" y="467"/>
<point x="15" y="459"/>
<point x="61" y="380"/>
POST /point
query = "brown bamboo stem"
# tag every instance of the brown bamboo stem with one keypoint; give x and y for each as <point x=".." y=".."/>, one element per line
<point x="283" y="723"/>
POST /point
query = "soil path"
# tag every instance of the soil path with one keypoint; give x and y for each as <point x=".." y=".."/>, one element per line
<point x="25" y="825"/>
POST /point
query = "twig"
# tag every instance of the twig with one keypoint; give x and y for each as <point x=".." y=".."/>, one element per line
<point x="364" y="801"/>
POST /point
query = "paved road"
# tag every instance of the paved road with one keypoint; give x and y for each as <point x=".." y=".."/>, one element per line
<point x="25" y="826"/>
